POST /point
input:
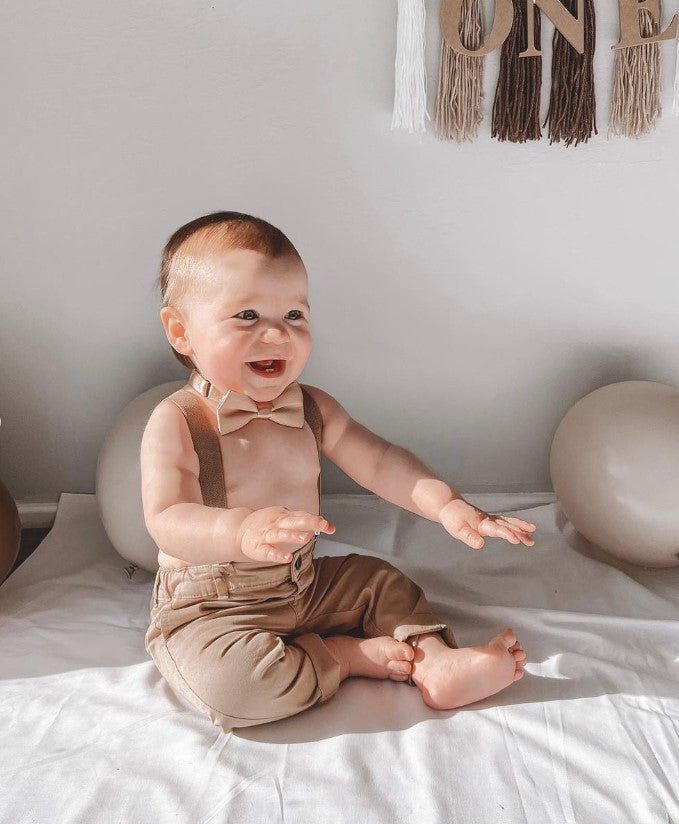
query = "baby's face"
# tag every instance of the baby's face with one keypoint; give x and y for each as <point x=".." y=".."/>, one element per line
<point x="255" y="309"/>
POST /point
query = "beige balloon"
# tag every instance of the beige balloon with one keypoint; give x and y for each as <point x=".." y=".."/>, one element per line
<point x="118" y="479"/>
<point x="10" y="532"/>
<point x="614" y="465"/>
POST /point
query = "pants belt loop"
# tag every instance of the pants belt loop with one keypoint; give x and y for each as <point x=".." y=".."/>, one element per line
<point x="226" y="573"/>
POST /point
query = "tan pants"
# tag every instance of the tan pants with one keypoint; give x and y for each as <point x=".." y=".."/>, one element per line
<point x="242" y="641"/>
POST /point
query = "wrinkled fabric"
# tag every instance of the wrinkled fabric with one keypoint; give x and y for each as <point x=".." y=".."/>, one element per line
<point x="90" y="731"/>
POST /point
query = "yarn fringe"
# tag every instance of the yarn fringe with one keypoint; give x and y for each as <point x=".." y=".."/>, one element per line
<point x="572" y="103"/>
<point x="410" y="88"/>
<point x="516" y="108"/>
<point x="636" y="84"/>
<point x="460" y="86"/>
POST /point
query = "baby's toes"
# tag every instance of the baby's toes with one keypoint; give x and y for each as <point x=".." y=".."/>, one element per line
<point x="404" y="652"/>
<point x="400" y="668"/>
<point x="519" y="656"/>
<point x="393" y="650"/>
<point x="505" y="640"/>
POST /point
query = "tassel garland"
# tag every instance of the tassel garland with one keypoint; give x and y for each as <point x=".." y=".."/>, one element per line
<point x="572" y="105"/>
<point x="636" y="84"/>
<point x="460" y="86"/>
<point x="571" y="116"/>
<point x="410" y="92"/>
<point x="516" y="108"/>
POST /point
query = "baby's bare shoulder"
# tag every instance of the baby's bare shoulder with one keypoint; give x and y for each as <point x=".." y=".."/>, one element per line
<point x="167" y="439"/>
<point x="335" y="417"/>
<point x="169" y="464"/>
<point x="329" y="407"/>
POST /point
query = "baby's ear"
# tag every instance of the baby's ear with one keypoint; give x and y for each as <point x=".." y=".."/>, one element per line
<point x="175" y="330"/>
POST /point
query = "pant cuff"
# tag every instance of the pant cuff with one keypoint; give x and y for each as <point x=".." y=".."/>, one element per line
<point x="411" y="627"/>
<point x="326" y="668"/>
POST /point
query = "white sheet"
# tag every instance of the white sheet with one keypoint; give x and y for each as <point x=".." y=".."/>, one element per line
<point x="90" y="732"/>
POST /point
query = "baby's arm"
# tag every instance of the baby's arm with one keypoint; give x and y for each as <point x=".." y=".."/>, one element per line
<point x="174" y="513"/>
<point x="399" y="477"/>
<point x="389" y="471"/>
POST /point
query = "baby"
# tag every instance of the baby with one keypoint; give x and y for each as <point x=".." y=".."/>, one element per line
<point x="246" y="623"/>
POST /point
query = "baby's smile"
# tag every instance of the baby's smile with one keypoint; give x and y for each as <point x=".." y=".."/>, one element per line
<point x="267" y="368"/>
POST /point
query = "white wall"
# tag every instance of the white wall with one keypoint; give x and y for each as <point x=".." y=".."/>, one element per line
<point x="464" y="297"/>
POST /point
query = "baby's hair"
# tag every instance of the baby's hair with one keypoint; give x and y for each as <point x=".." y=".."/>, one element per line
<point x="185" y="254"/>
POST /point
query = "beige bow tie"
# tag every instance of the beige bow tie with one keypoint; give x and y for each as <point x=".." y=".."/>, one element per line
<point x="235" y="409"/>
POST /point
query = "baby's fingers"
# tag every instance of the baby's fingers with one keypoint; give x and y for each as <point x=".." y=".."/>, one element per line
<point x="470" y="536"/>
<point x="496" y="529"/>
<point x="285" y="536"/>
<point x="517" y="535"/>
<point x="517" y="522"/>
<point x="266" y="552"/>
<point x="305" y="521"/>
<point x="493" y="529"/>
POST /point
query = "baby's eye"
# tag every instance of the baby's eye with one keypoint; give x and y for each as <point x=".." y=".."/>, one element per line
<point x="252" y="312"/>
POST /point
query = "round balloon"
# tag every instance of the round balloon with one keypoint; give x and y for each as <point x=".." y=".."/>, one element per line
<point x="614" y="465"/>
<point x="10" y="532"/>
<point x="118" y="479"/>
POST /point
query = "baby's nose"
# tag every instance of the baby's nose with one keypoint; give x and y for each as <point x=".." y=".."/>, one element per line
<point x="275" y="333"/>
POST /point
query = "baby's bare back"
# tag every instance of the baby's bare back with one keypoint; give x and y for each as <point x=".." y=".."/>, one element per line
<point x="265" y="464"/>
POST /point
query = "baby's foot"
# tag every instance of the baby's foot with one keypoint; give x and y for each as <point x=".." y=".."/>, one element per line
<point x="451" y="678"/>
<point x="382" y="657"/>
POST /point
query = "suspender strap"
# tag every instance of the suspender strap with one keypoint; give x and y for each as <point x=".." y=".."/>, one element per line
<point x="312" y="415"/>
<point x="206" y="444"/>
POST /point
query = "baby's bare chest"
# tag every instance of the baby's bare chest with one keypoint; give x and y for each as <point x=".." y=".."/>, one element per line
<point x="269" y="464"/>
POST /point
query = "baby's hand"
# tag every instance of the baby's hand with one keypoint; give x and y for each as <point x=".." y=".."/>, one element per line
<point x="262" y="531"/>
<point x="468" y="523"/>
